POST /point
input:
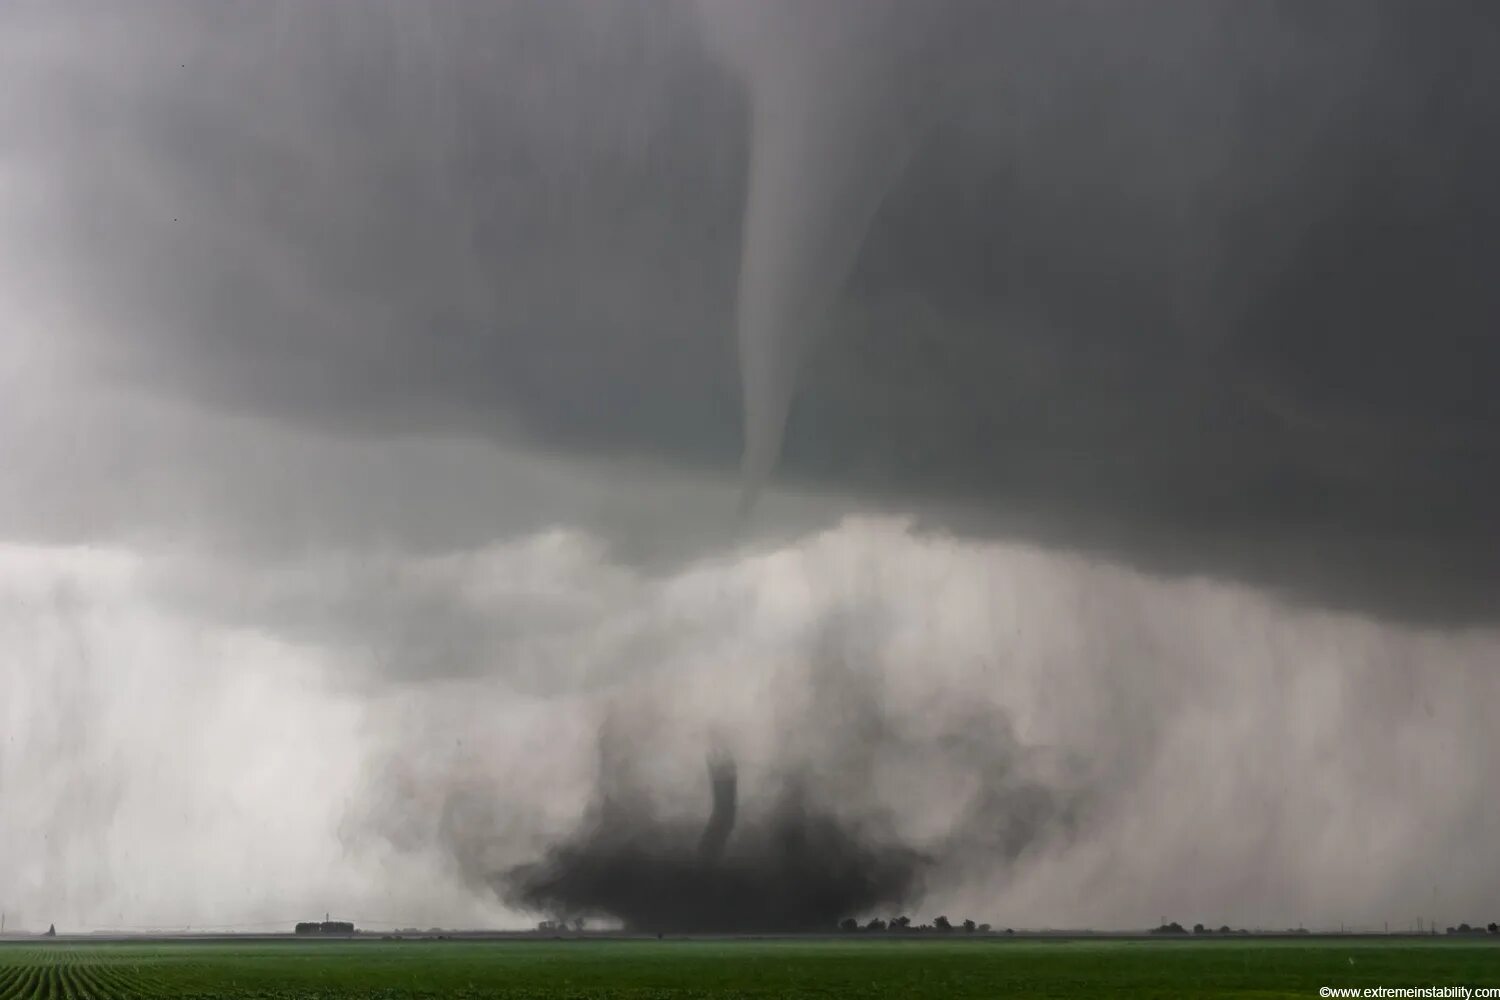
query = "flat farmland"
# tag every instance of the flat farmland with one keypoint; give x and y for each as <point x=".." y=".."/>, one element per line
<point x="824" y="968"/>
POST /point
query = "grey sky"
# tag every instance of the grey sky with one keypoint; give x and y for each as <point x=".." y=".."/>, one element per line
<point x="369" y="376"/>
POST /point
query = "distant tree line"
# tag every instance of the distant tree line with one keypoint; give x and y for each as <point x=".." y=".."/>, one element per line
<point x="325" y="927"/>
<point x="1493" y="928"/>
<point x="1175" y="928"/>
<point x="899" y="924"/>
<point x="547" y="926"/>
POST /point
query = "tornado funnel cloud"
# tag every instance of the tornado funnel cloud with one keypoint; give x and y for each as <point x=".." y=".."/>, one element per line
<point x="724" y="780"/>
<point x="829" y="135"/>
<point x="796" y="866"/>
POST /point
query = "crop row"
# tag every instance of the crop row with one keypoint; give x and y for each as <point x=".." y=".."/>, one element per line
<point x="59" y="974"/>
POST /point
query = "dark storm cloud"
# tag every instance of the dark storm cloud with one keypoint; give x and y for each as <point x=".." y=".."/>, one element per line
<point x="814" y="843"/>
<point x="1206" y="285"/>
<point x="795" y="867"/>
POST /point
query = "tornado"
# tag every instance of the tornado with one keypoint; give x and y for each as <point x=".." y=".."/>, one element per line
<point x="723" y="781"/>
<point x="836" y="110"/>
<point x="793" y="866"/>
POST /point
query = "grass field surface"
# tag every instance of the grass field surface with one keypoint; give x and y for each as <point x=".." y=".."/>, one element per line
<point x="743" y="968"/>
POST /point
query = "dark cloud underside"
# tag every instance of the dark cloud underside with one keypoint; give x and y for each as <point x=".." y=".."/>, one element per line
<point x="1207" y="285"/>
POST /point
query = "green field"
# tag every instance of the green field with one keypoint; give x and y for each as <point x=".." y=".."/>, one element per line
<point x="814" y="968"/>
